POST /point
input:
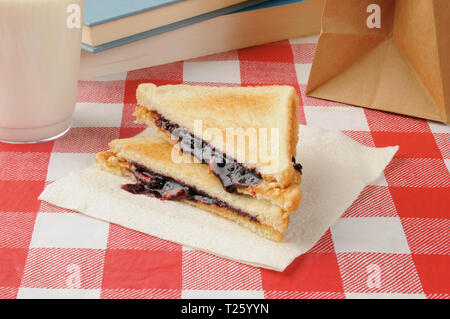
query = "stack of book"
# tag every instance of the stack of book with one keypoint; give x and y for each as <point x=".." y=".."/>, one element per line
<point x="119" y="35"/>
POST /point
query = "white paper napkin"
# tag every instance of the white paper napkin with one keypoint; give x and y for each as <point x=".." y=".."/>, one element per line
<point x="335" y="171"/>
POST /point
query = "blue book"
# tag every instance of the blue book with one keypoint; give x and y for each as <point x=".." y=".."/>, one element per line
<point x="101" y="11"/>
<point x="288" y="19"/>
<point x="268" y="4"/>
<point x="98" y="12"/>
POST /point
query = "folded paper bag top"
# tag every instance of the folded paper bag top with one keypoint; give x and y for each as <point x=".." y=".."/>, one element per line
<point x="336" y="170"/>
<point x="401" y="67"/>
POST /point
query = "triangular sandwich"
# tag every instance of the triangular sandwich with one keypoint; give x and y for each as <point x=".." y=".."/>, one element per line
<point x="150" y="166"/>
<point x="246" y="135"/>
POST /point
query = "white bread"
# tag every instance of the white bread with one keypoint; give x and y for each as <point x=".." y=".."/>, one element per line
<point x="221" y="108"/>
<point x="155" y="153"/>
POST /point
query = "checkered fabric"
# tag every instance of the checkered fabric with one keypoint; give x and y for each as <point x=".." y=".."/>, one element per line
<point x="393" y="240"/>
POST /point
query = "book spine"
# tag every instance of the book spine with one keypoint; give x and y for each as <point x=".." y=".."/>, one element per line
<point x="217" y="35"/>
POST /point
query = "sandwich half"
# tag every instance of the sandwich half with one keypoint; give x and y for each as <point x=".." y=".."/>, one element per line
<point x="148" y="163"/>
<point x="246" y="135"/>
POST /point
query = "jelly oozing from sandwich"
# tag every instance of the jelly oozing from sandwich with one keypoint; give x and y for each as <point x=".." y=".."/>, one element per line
<point x="298" y="167"/>
<point x="232" y="174"/>
<point x="163" y="187"/>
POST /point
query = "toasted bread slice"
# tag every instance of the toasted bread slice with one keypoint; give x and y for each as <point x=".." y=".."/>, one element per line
<point x="155" y="155"/>
<point x="263" y="119"/>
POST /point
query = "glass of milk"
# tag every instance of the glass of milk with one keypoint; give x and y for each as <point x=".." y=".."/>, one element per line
<point x="40" y="44"/>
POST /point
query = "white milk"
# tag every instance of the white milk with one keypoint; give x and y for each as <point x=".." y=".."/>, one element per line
<point x="39" y="62"/>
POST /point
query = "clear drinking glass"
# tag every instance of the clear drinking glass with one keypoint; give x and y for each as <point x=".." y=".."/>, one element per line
<point x="40" y="44"/>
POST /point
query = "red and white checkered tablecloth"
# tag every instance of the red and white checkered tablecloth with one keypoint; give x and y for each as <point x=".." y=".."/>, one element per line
<point x="393" y="241"/>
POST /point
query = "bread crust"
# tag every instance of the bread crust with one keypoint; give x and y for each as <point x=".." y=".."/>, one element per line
<point x="288" y="197"/>
<point x="258" y="107"/>
<point x="258" y="228"/>
<point x="110" y="163"/>
<point x="156" y="154"/>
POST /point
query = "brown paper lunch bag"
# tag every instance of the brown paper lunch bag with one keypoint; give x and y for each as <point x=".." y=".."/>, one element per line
<point x="398" y="63"/>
